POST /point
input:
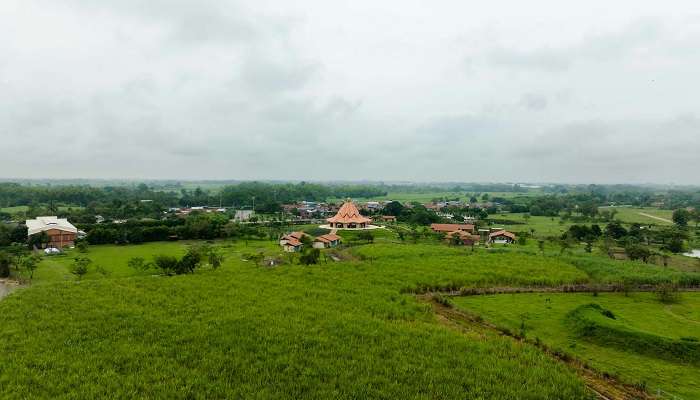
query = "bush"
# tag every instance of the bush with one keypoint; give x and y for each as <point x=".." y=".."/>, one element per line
<point x="668" y="293"/>
<point x="166" y="264"/>
<point x="310" y="257"/>
<point x="4" y="265"/>
<point x="80" y="267"/>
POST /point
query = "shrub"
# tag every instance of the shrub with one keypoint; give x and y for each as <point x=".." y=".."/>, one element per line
<point x="668" y="293"/>
<point x="139" y="264"/>
<point x="80" y="266"/>
<point x="166" y="264"/>
<point x="310" y="257"/>
<point x="4" y="265"/>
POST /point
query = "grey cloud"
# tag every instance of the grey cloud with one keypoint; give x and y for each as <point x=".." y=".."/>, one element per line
<point x="534" y="101"/>
<point x="639" y="150"/>
<point x="640" y="34"/>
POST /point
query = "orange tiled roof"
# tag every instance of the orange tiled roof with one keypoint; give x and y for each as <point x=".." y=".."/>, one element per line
<point x="348" y="213"/>
<point x="293" y="242"/>
<point x="451" y="227"/>
<point x="328" y="238"/>
<point x="502" y="233"/>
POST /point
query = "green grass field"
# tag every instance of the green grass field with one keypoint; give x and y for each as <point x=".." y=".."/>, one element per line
<point x="349" y="329"/>
<point x="636" y="215"/>
<point x="543" y="226"/>
<point x="339" y="330"/>
<point x="23" y="209"/>
<point x="545" y="317"/>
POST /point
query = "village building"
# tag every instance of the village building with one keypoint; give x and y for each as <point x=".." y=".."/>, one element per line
<point x="243" y="215"/>
<point x="326" y="241"/>
<point x="349" y="217"/>
<point x="466" y="238"/>
<point x="60" y="232"/>
<point x="292" y="242"/>
<point x="447" y="228"/>
<point x="388" y="218"/>
<point x="501" y="237"/>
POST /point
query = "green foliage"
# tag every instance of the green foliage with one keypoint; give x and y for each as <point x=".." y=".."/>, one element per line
<point x="139" y="264"/>
<point x="629" y="360"/>
<point x="681" y="217"/>
<point x="638" y="252"/>
<point x="5" y="262"/>
<point x="82" y="246"/>
<point x="338" y="330"/>
<point x="668" y="293"/>
<point x="30" y="264"/>
<point x="167" y="264"/>
<point x="310" y="256"/>
<point x="586" y="321"/>
<point x="80" y="266"/>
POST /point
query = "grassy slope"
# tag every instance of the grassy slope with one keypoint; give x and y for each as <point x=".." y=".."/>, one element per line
<point x="339" y="330"/>
<point x="545" y="314"/>
<point x="633" y="214"/>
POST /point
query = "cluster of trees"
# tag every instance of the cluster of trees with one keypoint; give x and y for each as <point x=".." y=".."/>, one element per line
<point x="586" y="201"/>
<point x="195" y="257"/>
<point x="206" y="226"/>
<point x="415" y="215"/>
<point x="17" y="258"/>
<point x="638" y="242"/>
<point x="12" y="233"/>
<point x="139" y="201"/>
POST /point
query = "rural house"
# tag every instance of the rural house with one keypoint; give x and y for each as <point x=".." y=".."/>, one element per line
<point x="60" y="232"/>
<point x="292" y="242"/>
<point x="465" y="238"/>
<point x="447" y="228"/>
<point x="388" y="218"/>
<point x="326" y="241"/>
<point x="501" y="237"/>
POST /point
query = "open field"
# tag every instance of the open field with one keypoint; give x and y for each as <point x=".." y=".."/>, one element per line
<point x="642" y="215"/>
<point x="547" y="317"/>
<point x="349" y="329"/>
<point x="543" y="226"/>
<point x="23" y="209"/>
<point x="340" y="330"/>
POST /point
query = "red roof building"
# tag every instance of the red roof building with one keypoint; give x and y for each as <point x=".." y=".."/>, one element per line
<point x="349" y="217"/>
<point x="325" y="241"/>
<point x="446" y="228"/>
<point x="501" y="237"/>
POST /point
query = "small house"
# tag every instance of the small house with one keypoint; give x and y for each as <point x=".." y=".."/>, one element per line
<point x="388" y="218"/>
<point x="60" y="232"/>
<point x="502" y="237"/>
<point x="447" y="228"/>
<point x="291" y="242"/>
<point x="465" y="238"/>
<point x="326" y="241"/>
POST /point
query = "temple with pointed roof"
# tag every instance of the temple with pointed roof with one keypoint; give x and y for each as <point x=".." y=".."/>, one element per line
<point x="349" y="217"/>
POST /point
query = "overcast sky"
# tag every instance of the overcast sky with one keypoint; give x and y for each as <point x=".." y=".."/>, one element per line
<point x="538" y="91"/>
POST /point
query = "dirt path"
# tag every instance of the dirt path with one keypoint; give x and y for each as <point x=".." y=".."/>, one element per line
<point x="655" y="217"/>
<point x="604" y="387"/>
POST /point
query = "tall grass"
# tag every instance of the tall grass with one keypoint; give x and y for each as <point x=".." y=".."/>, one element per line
<point x="337" y="330"/>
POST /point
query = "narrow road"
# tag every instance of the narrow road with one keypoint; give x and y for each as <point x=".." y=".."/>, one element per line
<point x="655" y="217"/>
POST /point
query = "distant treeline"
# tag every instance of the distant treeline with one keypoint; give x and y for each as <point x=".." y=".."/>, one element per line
<point x="243" y="194"/>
